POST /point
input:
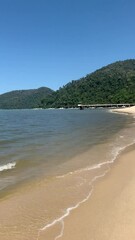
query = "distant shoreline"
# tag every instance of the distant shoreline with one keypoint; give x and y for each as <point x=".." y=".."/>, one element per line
<point x="128" y="110"/>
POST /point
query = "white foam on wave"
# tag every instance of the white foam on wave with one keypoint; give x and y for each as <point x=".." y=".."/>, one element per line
<point x="121" y="136"/>
<point x="7" y="166"/>
<point x="95" y="166"/>
<point x="80" y="170"/>
<point x="60" y="220"/>
<point x="68" y="210"/>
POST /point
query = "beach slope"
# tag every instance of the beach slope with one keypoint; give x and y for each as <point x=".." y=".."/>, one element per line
<point x="130" y="110"/>
<point x="110" y="212"/>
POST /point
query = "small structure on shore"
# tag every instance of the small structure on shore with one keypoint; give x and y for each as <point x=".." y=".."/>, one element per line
<point x="108" y="105"/>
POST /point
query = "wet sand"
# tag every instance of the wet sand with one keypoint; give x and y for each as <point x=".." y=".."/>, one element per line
<point x="110" y="211"/>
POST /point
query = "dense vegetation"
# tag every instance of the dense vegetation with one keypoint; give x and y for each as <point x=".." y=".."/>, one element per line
<point x="114" y="83"/>
<point x="22" y="99"/>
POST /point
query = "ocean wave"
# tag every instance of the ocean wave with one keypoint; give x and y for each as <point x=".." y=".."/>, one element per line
<point x="7" y="166"/>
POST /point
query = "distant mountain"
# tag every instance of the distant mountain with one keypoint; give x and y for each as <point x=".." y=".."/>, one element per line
<point x="21" y="99"/>
<point x="114" y="83"/>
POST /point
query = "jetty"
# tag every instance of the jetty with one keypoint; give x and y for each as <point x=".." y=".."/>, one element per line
<point x="108" y="105"/>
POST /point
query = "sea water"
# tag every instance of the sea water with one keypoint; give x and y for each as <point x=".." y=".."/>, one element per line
<point x="49" y="160"/>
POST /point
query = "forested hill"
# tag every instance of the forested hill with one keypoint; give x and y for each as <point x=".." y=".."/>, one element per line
<point x="22" y="99"/>
<point x="114" y="83"/>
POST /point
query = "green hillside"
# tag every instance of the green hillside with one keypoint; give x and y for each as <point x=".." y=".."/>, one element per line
<point x="114" y="83"/>
<point x="22" y="99"/>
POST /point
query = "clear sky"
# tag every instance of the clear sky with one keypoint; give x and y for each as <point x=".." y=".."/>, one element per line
<point x="51" y="42"/>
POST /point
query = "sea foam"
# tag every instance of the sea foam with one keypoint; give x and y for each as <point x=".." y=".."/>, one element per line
<point x="61" y="219"/>
<point x="7" y="166"/>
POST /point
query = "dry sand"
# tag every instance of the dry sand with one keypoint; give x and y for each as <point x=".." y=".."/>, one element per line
<point x="110" y="212"/>
<point x="130" y="110"/>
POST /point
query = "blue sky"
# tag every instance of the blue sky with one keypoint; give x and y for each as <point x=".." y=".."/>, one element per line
<point x="51" y="42"/>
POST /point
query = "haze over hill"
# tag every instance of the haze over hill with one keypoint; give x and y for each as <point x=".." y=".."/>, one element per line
<point x="114" y="83"/>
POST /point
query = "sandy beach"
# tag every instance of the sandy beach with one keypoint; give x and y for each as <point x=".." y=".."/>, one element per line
<point x="110" y="211"/>
<point x="108" y="214"/>
<point x="128" y="110"/>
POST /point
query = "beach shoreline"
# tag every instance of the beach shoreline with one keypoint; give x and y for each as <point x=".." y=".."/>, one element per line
<point x="97" y="215"/>
<point x="110" y="211"/>
<point x="127" y="110"/>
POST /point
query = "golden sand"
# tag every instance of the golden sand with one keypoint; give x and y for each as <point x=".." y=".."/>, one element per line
<point x="130" y="110"/>
<point x="110" y="212"/>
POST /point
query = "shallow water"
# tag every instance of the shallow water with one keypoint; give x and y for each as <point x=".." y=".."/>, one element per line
<point x="50" y="159"/>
